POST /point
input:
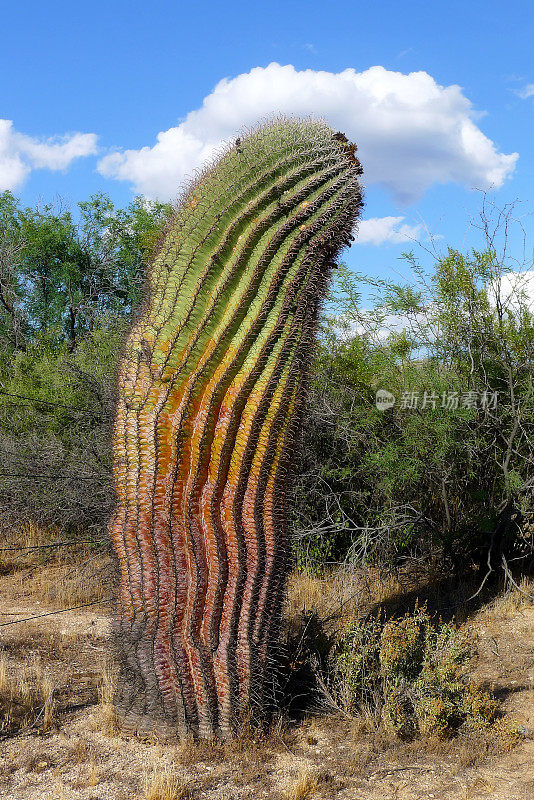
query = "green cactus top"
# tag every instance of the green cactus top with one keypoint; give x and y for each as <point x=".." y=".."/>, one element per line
<point x="245" y="227"/>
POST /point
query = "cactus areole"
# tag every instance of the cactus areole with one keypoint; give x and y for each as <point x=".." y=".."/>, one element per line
<point x="211" y="393"/>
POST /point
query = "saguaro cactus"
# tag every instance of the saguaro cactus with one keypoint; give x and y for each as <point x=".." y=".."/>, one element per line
<point x="211" y="394"/>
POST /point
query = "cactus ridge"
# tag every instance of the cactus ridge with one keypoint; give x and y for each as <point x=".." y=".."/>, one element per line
<point x="211" y="395"/>
<point x="240" y="201"/>
<point x="217" y="296"/>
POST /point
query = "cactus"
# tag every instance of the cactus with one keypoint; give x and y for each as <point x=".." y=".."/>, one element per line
<point x="211" y="392"/>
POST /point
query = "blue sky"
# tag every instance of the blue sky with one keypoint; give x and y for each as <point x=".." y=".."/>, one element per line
<point x="439" y="96"/>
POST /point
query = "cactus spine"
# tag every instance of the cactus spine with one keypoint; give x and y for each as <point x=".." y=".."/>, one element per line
<point x="211" y="392"/>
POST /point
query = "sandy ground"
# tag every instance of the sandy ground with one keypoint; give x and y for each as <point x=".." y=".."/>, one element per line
<point x="80" y="756"/>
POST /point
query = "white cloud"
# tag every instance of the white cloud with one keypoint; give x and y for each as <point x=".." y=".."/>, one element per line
<point x="516" y="290"/>
<point x="526" y="91"/>
<point x="377" y="327"/>
<point x="19" y="154"/>
<point x="411" y="132"/>
<point x="381" y="230"/>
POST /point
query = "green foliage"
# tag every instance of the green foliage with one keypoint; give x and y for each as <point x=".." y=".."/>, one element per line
<point x="413" y="672"/>
<point x="355" y="663"/>
<point x="121" y="243"/>
<point x="56" y="408"/>
<point x="373" y="486"/>
<point x="60" y="275"/>
<point x="402" y="648"/>
<point x="68" y="283"/>
<point x="448" y="469"/>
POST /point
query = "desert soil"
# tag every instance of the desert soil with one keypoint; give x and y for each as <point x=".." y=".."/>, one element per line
<point x="81" y="756"/>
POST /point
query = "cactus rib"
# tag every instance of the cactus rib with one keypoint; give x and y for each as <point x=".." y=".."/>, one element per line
<point x="211" y="391"/>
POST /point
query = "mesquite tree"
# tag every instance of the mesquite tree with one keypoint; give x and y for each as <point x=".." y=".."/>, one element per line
<point x="211" y="393"/>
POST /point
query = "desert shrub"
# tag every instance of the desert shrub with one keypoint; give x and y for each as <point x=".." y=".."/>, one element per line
<point x="411" y="672"/>
<point x="56" y="409"/>
<point x="374" y="486"/>
<point x="444" y="473"/>
<point x="355" y="664"/>
<point x="402" y="647"/>
<point x="69" y="281"/>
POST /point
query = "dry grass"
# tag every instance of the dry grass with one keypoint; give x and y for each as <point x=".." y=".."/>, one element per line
<point x="26" y="698"/>
<point x="346" y="592"/>
<point x="60" y="577"/>
<point x="55" y="647"/>
<point x="304" y="786"/>
<point x="318" y="758"/>
<point x="46" y="670"/>
<point x="89" y="775"/>
<point x="189" y="751"/>
<point x="338" y="593"/>
<point x="107" y="719"/>
<point x="245" y="760"/>
<point x="349" y="591"/>
<point x="21" y="549"/>
<point x="516" y="598"/>
<point x="165" y="784"/>
<point x="65" y="584"/>
<point x="334" y="599"/>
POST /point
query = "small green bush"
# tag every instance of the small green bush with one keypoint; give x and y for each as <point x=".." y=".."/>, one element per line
<point x="412" y="672"/>
<point x="355" y="664"/>
<point x="403" y="647"/>
<point x="398" y="712"/>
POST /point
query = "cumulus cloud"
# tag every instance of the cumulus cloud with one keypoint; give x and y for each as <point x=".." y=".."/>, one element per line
<point x="516" y="290"/>
<point x="19" y="154"/>
<point x="382" y="230"/>
<point x="411" y="132"/>
<point x="526" y="91"/>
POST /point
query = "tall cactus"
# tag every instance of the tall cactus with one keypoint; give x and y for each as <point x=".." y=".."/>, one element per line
<point x="211" y="393"/>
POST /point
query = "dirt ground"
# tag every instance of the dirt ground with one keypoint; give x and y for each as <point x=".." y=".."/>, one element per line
<point x="78" y="753"/>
